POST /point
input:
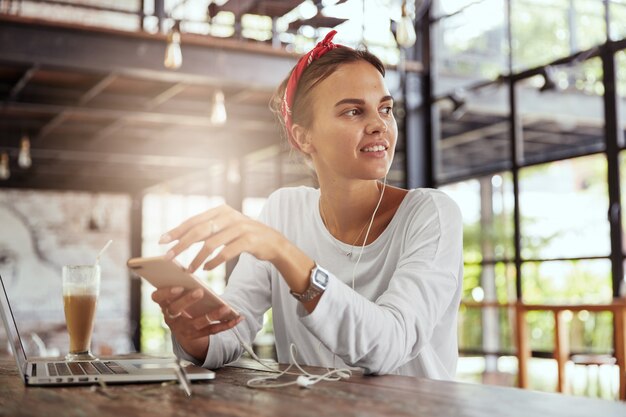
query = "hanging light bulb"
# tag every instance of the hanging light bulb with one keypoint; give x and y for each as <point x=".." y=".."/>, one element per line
<point x="218" y="109"/>
<point x="405" y="32"/>
<point x="173" y="54"/>
<point x="5" y="172"/>
<point x="23" y="159"/>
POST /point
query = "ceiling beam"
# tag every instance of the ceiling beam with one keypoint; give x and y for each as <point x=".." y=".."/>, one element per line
<point x="97" y="88"/>
<point x="61" y="183"/>
<point x="93" y="157"/>
<point x="171" y="119"/>
<point x="206" y="60"/>
<point x="84" y="99"/>
<point x="21" y="83"/>
<point x="166" y="95"/>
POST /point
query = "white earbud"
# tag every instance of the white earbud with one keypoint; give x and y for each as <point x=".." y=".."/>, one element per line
<point x="304" y="381"/>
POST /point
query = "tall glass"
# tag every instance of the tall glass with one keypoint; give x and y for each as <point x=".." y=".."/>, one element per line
<point x="81" y="287"/>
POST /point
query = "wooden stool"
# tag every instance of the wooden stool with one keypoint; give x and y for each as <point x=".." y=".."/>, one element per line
<point x="593" y="362"/>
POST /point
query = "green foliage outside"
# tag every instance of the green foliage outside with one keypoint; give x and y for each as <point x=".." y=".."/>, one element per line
<point x="541" y="34"/>
<point x="562" y="282"/>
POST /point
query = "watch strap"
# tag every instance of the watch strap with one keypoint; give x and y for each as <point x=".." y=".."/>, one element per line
<point x="314" y="288"/>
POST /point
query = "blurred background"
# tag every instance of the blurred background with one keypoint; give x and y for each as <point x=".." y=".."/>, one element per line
<point x="119" y="119"/>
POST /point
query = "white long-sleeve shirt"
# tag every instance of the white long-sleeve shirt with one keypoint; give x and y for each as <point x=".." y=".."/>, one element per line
<point x="401" y="317"/>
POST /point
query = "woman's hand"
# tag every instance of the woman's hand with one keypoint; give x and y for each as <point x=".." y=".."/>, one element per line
<point x="192" y="333"/>
<point x="223" y="226"/>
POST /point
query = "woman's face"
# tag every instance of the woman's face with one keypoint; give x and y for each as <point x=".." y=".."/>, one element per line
<point x="353" y="131"/>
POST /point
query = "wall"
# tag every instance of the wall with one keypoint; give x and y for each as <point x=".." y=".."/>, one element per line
<point x="40" y="231"/>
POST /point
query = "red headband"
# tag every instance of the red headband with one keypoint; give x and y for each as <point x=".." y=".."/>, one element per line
<point x="292" y="85"/>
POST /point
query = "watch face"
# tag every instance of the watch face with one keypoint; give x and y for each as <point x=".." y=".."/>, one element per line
<point x="321" y="278"/>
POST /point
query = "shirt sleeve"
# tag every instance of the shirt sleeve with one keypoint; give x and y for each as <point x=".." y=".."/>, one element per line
<point x="381" y="335"/>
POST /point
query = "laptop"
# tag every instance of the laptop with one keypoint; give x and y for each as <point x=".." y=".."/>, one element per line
<point x="51" y="371"/>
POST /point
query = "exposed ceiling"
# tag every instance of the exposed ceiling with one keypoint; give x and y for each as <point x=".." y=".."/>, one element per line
<point x="103" y="114"/>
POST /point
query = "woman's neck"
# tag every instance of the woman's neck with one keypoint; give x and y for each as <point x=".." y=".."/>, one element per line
<point x="347" y="209"/>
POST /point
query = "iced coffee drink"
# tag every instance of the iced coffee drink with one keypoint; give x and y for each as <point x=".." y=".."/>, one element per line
<point x="81" y="286"/>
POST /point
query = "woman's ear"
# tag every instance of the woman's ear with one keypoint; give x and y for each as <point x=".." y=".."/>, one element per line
<point x="302" y="138"/>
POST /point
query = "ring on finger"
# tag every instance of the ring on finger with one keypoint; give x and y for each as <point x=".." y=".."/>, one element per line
<point x="172" y="316"/>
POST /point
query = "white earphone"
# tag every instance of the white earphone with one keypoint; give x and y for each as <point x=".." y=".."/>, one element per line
<point x="304" y="380"/>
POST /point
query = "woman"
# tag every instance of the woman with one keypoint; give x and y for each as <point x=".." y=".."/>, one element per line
<point x="357" y="270"/>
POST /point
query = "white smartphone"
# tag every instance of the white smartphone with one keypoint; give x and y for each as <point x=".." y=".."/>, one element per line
<point x="162" y="272"/>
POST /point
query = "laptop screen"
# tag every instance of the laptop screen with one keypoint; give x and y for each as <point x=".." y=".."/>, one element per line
<point x="11" y="329"/>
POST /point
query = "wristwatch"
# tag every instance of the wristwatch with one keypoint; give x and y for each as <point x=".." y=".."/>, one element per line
<point x="318" y="283"/>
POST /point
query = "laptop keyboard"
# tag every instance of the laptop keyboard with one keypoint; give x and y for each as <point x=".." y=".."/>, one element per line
<point x="85" y="368"/>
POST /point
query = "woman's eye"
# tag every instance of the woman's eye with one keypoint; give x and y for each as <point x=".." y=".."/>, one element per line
<point x="387" y="110"/>
<point x="352" y="112"/>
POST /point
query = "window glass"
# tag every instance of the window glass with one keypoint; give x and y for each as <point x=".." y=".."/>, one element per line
<point x="588" y="25"/>
<point x="546" y="30"/>
<point x="470" y="43"/>
<point x="473" y="131"/>
<point x="622" y="171"/>
<point x="470" y="329"/>
<point x="563" y="209"/>
<point x="620" y="62"/>
<point x="473" y="321"/>
<point x="590" y="332"/>
<point x="540" y="330"/>
<point x="162" y="212"/>
<point x="70" y="11"/>
<point x="562" y="112"/>
<point x="489" y="283"/>
<point x="486" y="204"/>
<point x="617" y="13"/>
<point x="567" y="282"/>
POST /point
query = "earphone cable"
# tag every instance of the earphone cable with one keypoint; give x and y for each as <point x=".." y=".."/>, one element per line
<point x="261" y="382"/>
<point x="380" y="199"/>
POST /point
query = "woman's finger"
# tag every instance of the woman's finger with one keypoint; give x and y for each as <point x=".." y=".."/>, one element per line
<point x="224" y="237"/>
<point x="232" y="250"/>
<point x="222" y="326"/>
<point x="204" y="253"/>
<point x="202" y="232"/>
<point x="180" y="230"/>
<point x="164" y="296"/>
<point x="177" y="306"/>
<point x="218" y="315"/>
<point x="192" y="333"/>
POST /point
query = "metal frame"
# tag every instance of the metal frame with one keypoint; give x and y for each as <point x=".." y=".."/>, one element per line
<point x="613" y="144"/>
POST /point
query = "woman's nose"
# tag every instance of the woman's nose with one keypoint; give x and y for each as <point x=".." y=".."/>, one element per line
<point x="376" y="125"/>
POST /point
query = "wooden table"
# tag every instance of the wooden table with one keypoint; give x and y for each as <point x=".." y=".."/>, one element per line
<point x="228" y="395"/>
